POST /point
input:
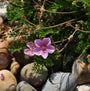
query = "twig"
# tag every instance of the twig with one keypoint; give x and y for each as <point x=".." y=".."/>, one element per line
<point x="44" y="2"/>
<point x="74" y="32"/>
<point x="80" y="30"/>
<point x="57" y="24"/>
<point x="67" y="42"/>
<point x="59" y="41"/>
<point x="30" y="22"/>
<point x="83" y="51"/>
<point x="50" y="1"/>
<point x="60" y="12"/>
<point x="36" y="3"/>
<point x="64" y="47"/>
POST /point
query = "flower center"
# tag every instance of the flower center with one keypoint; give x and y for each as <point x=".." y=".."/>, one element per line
<point x="43" y="47"/>
<point x="31" y="49"/>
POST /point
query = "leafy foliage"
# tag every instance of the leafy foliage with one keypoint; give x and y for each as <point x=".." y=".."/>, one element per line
<point x="58" y="33"/>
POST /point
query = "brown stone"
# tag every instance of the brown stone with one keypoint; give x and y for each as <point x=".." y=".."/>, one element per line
<point x="14" y="66"/>
<point x="22" y="58"/>
<point x="1" y="20"/>
<point x="81" y="71"/>
<point x="8" y="83"/>
<point x="4" y="54"/>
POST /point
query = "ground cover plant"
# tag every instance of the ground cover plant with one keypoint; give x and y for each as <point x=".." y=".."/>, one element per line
<point x="52" y="29"/>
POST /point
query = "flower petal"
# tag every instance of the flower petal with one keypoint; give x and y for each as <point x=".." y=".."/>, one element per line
<point x="37" y="51"/>
<point x="44" y="54"/>
<point x="50" y="49"/>
<point x="38" y="42"/>
<point x="46" y="41"/>
<point x="30" y="45"/>
<point x="28" y="52"/>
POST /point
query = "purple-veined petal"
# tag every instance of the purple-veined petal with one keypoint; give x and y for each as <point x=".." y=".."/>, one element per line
<point x="44" y="54"/>
<point x="28" y="52"/>
<point x="37" y="51"/>
<point x="38" y="42"/>
<point x="30" y="45"/>
<point x="46" y="41"/>
<point x="50" y="49"/>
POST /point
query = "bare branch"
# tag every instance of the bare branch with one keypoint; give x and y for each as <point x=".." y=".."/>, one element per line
<point x="57" y="24"/>
<point x="61" y="12"/>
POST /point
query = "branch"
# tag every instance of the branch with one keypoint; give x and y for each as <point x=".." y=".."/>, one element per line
<point x="36" y="2"/>
<point x="59" y="41"/>
<point x="60" y="12"/>
<point x="80" y="30"/>
<point x="69" y="40"/>
<point x="83" y="51"/>
<point x="57" y="25"/>
<point x="63" y="47"/>
<point x="30" y="22"/>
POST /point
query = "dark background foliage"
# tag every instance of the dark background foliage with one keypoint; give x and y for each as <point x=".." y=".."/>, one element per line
<point x="80" y="40"/>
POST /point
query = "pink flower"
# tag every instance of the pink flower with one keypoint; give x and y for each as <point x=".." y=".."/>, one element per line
<point x="29" y="51"/>
<point x="88" y="56"/>
<point x="43" y="47"/>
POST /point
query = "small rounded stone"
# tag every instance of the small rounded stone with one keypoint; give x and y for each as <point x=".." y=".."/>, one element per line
<point x="5" y="57"/>
<point x="24" y="86"/>
<point x="84" y="87"/>
<point x="34" y="78"/>
<point x="14" y="66"/>
<point x="9" y="82"/>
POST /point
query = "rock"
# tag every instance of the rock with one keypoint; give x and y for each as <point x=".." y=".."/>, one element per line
<point x="60" y="81"/>
<point x="22" y="58"/>
<point x="4" y="54"/>
<point x="24" y="86"/>
<point x="81" y="71"/>
<point x="3" y="8"/>
<point x="84" y="87"/>
<point x="68" y="81"/>
<point x="7" y="81"/>
<point x="14" y="66"/>
<point x="34" y="78"/>
<point x="1" y="20"/>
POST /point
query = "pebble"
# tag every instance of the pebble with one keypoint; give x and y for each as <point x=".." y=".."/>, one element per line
<point x="4" y="55"/>
<point x="14" y="66"/>
<point x="1" y="20"/>
<point x="7" y="81"/>
<point x="32" y="77"/>
<point x="22" y="58"/>
<point x="3" y="8"/>
<point x="60" y="81"/>
<point x="24" y="86"/>
<point x="84" y="87"/>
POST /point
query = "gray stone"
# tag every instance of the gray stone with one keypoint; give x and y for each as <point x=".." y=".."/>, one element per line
<point x="3" y="8"/>
<point x="60" y="82"/>
<point x="32" y="77"/>
<point x="24" y="86"/>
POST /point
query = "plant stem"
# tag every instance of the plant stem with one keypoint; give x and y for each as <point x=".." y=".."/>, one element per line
<point x="80" y="30"/>
<point x="57" y="24"/>
<point x="61" y="12"/>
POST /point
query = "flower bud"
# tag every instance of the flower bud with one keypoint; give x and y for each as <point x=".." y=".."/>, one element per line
<point x="70" y="38"/>
<point x="23" y="17"/>
<point x="88" y="56"/>
<point x="36" y="6"/>
<point x="31" y="29"/>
